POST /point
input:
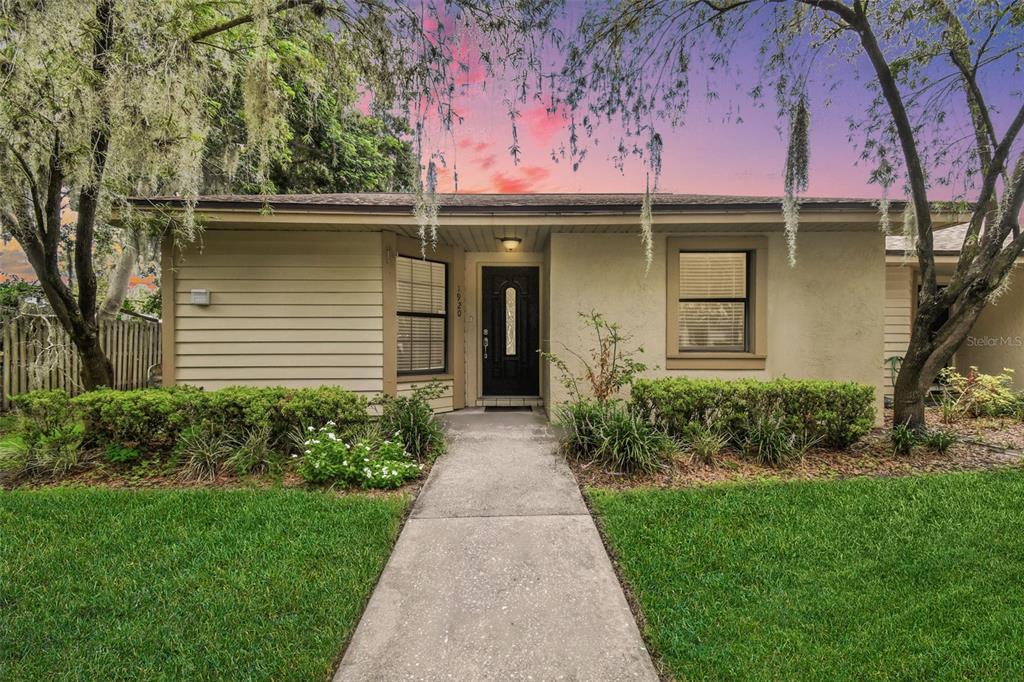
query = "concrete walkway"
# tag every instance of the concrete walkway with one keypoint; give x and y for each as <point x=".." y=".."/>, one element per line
<point x="499" y="573"/>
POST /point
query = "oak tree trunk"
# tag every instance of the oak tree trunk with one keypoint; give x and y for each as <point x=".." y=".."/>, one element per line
<point x="929" y="351"/>
<point x="97" y="369"/>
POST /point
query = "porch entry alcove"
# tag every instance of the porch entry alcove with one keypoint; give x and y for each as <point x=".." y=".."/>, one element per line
<point x="510" y="328"/>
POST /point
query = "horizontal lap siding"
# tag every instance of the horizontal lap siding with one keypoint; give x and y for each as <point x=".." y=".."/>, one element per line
<point x="295" y="309"/>
<point x="441" y="404"/>
<point x="897" y="317"/>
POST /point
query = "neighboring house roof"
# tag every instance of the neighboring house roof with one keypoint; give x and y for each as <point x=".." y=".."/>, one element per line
<point x="947" y="241"/>
<point x="514" y="203"/>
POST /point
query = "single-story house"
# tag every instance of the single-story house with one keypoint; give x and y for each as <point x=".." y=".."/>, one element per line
<point x="996" y="341"/>
<point x="306" y="290"/>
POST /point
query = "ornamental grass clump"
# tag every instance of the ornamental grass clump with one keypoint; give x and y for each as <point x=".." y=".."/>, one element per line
<point x="328" y="458"/>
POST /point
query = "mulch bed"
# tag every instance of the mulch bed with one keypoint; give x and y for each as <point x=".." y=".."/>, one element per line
<point x="104" y="475"/>
<point x="987" y="444"/>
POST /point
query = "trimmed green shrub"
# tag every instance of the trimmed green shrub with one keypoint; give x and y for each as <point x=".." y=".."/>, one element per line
<point x="316" y="407"/>
<point x="154" y="418"/>
<point x="42" y="413"/>
<point x="49" y="436"/>
<point x="148" y="418"/>
<point x="834" y="413"/>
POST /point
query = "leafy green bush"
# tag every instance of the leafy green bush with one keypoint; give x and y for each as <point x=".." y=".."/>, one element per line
<point x="976" y="394"/>
<point x="14" y="289"/>
<point x="614" y="435"/>
<point x="153" y="418"/>
<point x="119" y="454"/>
<point x="411" y="418"/>
<point x="49" y="437"/>
<point x="42" y="413"/>
<point x="316" y="407"/>
<point x="834" y="413"/>
<point x="367" y="464"/>
<point x="150" y="419"/>
<point x="53" y="453"/>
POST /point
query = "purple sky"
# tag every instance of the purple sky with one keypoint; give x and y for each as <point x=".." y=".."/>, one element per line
<point x="708" y="154"/>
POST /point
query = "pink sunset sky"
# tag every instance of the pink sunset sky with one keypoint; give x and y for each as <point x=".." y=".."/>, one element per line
<point x="725" y="145"/>
<point x="712" y="152"/>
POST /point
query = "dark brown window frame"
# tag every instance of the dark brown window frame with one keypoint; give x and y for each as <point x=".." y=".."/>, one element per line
<point x="748" y="259"/>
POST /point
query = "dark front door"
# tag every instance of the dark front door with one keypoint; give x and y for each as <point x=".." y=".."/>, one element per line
<point x="511" y="331"/>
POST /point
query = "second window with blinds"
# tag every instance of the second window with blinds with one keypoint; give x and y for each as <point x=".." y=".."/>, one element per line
<point x="422" y="306"/>
<point x="714" y="301"/>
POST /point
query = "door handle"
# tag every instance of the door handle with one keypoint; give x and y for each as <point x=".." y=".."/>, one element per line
<point x="485" y="344"/>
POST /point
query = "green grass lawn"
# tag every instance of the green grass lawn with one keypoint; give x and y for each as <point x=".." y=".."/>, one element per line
<point x="905" y="578"/>
<point x="172" y="584"/>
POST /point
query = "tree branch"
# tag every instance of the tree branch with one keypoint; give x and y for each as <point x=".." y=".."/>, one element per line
<point x="247" y="18"/>
<point x="85" y="226"/>
<point x="54" y="198"/>
<point x="33" y="188"/>
<point x="961" y="58"/>
<point x="912" y="157"/>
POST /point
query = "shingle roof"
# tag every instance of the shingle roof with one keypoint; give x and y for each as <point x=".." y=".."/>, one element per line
<point x="512" y="203"/>
<point x="946" y="241"/>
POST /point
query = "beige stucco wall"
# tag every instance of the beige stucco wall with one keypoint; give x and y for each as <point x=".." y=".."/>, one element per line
<point x="997" y="339"/>
<point x="295" y="307"/>
<point x="824" y="317"/>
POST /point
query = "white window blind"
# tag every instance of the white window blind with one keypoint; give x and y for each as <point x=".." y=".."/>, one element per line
<point x="422" y="316"/>
<point x="713" y="298"/>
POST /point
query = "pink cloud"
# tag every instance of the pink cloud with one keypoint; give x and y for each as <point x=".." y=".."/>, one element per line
<point x="542" y="125"/>
<point x="522" y="180"/>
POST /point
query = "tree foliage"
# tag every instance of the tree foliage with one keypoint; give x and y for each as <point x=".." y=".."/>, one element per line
<point x="105" y="99"/>
<point x="934" y="68"/>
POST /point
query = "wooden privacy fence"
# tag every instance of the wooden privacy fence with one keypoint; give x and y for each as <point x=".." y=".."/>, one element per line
<point x="38" y="354"/>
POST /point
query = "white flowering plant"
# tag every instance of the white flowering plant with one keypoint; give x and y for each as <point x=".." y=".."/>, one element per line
<point x="365" y="463"/>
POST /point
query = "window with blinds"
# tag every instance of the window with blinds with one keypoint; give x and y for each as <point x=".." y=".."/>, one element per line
<point x="714" y="300"/>
<point x="422" y="316"/>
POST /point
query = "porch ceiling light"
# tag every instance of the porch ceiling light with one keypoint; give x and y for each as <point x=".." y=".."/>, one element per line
<point x="510" y="243"/>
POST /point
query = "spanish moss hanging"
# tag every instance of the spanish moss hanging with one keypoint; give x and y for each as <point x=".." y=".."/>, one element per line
<point x="797" y="165"/>
<point x="654" y="148"/>
<point x="909" y="229"/>
<point x="646" y="227"/>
